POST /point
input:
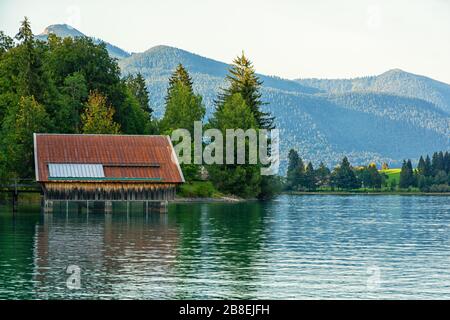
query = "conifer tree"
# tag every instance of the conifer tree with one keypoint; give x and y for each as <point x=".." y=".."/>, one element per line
<point x="239" y="179"/>
<point x="136" y="85"/>
<point x="421" y="166"/>
<point x="310" y="177"/>
<point x="180" y="75"/>
<point x="406" y="175"/>
<point x="242" y="79"/>
<point x="428" y="169"/>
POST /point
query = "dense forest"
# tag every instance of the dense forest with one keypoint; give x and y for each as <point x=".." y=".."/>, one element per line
<point x="63" y="86"/>
<point x="431" y="175"/>
<point x="72" y="85"/>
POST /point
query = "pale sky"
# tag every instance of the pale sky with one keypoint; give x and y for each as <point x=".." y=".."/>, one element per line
<point x="287" y="38"/>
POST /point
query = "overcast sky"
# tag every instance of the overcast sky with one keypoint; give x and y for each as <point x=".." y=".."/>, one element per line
<point x="288" y="38"/>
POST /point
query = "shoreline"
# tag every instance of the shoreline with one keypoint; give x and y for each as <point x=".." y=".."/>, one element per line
<point x="230" y="199"/>
<point x="367" y="193"/>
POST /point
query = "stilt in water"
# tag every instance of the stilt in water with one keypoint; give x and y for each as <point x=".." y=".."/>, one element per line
<point x="108" y="207"/>
<point x="48" y="206"/>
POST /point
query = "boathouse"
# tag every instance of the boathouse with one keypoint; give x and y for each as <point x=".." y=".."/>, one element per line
<point x="107" y="168"/>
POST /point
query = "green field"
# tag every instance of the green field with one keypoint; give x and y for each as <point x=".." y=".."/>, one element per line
<point x="392" y="174"/>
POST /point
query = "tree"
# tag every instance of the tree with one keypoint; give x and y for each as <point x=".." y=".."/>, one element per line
<point x="180" y="75"/>
<point x="74" y="93"/>
<point x="323" y="175"/>
<point x="447" y="162"/>
<point x="17" y="131"/>
<point x="293" y="169"/>
<point x="239" y="179"/>
<point x="428" y="169"/>
<point x="6" y="43"/>
<point x="343" y="176"/>
<point x="98" y="116"/>
<point x="183" y="108"/>
<point x="27" y="74"/>
<point x="384" y="166"/>
<point x="136" y="85"/>
<point x="242" y="79"/>
<point x="406" y="175"/>
<point x="421" y="166"/>
<point x="310" y="177"/>
<point x="376" y="179"/>
<point x="437" y="162"/>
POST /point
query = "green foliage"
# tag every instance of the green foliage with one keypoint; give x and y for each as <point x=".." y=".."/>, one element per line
<point x="20" y="123"/>
<point x="98" y="116"/>
<point x="198" y="189"/>
<point x="239" y="179"/>
<point x="343" y="176"/>
<point x="6" y="43"/>
<point x="242" y="79"/>
<point x="57" y="74"/>
<point x="180" y="75"/>
<point x="407" y="178"/>
<point x="137" y="87"/>
<point x="370" y="177"/>
<point x="183" y="108"/>
<point x="73" y="92"/>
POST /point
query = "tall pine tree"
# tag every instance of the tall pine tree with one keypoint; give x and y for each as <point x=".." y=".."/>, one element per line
<point x="242" y="79"/>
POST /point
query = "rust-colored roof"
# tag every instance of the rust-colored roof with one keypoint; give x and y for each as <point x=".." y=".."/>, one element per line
<point x="122" y="156"/>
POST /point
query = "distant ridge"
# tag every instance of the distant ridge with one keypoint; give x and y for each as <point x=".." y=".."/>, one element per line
<point x="394" y="81"/>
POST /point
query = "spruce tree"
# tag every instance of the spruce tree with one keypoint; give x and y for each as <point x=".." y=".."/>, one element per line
<point x="421" y="167"/>
<point x="428" y="168"/>
<point x="293" y="164"/>
<point x="239" y="179"/>
<point x="136" y="84"/>
<point x="242" y="79"/>
<point x="180" y="75"/>
<point x="406" y="175"/>
<point x="447" y="162"/>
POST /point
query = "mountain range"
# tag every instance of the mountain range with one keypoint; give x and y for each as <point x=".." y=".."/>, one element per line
<point x="384" y="118"/>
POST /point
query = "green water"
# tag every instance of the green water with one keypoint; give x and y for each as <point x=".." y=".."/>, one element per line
<point x="295" y="247"/>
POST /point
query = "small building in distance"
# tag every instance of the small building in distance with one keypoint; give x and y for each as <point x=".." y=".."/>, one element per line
<point x="80" y="167"/>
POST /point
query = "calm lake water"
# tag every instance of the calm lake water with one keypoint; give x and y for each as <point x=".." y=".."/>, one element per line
<point x="326" y="247"/>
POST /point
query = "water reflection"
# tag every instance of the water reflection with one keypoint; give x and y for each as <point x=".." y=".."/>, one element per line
<point x="293" y="247"/>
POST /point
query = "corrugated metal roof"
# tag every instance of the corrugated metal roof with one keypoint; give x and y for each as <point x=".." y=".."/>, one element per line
<point x="121" y="156"/>
<point x="75" y="170"/>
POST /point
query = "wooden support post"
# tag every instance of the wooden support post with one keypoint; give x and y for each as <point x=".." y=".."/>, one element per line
<point x="48" y="206"/>
<point x="108" y="207"/>
<point x="163" y="206"/>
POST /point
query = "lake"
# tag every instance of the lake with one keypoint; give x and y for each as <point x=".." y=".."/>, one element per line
<point x="295" y="247"/>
